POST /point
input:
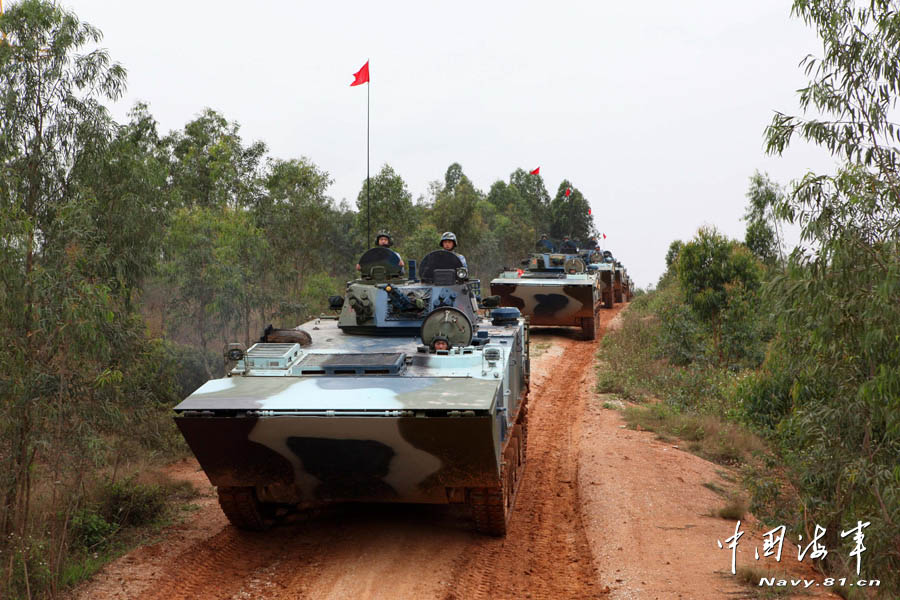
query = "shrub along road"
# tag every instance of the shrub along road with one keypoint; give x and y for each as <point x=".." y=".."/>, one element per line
<point x="602" y="512"/>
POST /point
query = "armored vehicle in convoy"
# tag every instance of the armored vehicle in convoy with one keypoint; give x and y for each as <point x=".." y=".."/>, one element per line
<point x="414" y="393"/>
<point x="605" y="269"/>
<point x="553" y="289"/>
<point x="620" y="286"/>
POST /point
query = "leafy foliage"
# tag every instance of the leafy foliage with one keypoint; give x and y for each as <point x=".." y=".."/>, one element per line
<point x="127" y="256"/>
<point x="835" y="357"/>
<point x="761" y="237"/>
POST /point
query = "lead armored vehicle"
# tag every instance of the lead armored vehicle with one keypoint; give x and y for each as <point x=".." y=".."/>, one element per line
<point x="412" y="394"/>
<point x="553" y="289"/>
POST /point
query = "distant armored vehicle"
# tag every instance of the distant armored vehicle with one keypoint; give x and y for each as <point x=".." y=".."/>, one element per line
<point x="410" y="395"/>
<point x="553" y="289"/>
<point x="605" y="269"/>
<point x="620" y="285"/>
<point x="629" y="288"/>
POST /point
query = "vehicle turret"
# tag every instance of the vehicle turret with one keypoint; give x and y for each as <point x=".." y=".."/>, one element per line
<point x="383" y="301"/>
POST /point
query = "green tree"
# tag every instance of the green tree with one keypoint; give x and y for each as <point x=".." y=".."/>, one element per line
<point x="389" y="206"/>
<point x="213" y="263"/>
<point x="211" y="166"/>
<point x="535" y="198"/>
<point x="69" y="337"/>
<point x="126" y="179"/>
<point x="570" y="215"/>
<point x="761" y="236"/>
<point x="453" y="176"/>
<point x="712" y="270"/>
<point x="297" y="217"/>
<point x="673" y="252"/>
<point x="836" y="353"/>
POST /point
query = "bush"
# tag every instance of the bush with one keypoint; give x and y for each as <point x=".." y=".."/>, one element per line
<point x="128" y="502"/>
<point x="89" y="528"/>
<point x="765" y="399"/>
<point x="681" y="334"/>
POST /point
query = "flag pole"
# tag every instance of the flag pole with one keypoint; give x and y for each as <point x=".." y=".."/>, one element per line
<point x="368" y="209"/>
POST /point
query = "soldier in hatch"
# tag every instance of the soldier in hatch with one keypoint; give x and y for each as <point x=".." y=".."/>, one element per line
<point x="544" y="244"/>
<point x="448" y="242"/>
<point x="568" y="246"/>
<point x="383" y="239"/>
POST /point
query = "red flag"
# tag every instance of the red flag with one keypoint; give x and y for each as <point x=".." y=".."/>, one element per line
<point x="568" y="192"/>
<point x="604" y="236"/>
<point x="536" y="171"/>
<point x="589" y="210"/>
<point x="361" y="76"/>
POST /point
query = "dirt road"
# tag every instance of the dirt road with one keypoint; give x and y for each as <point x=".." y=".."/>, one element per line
<point x="600" y="514"/>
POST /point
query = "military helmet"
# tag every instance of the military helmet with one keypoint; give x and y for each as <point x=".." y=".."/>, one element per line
<point x="440" y="338"/>
<point x="384" y="233"/>
<point x="449" y="235"/>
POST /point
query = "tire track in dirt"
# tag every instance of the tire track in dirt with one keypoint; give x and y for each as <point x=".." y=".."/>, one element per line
<point x="219" y="565"/>
<point x="546" y="553"/>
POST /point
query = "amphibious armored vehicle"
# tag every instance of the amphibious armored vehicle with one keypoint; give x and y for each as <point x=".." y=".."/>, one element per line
<point x="620" y="286"/>
<point x="605" y="269"/>
<point x="413" y="394"/>
<point x="553" y="289"/>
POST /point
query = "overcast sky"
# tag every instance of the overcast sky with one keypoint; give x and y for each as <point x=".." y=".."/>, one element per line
<point x="654" y="110"/>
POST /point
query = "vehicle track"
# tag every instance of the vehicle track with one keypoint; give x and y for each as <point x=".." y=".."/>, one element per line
<point x="546" y="552"/>
<point x="415" y="551"/>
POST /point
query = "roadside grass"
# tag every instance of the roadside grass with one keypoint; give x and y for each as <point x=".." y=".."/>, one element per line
<point x="120" y="515"/>
<point x="716" y="488"/>
<point x="707" y="436"/>
<point x="734" y="510"/>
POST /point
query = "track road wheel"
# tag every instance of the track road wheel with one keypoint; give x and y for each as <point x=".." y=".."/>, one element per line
<point x="587" y="328"/>
<point x="244" y="509"/>
<point x="491" y="507"/>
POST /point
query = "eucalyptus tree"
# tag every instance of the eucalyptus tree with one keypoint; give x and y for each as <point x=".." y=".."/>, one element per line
<point x="304" y="229"/>
<point x="836" y="349"/>
<point x="127" y="186"/>
<point x="388" y="205"/>
<point x="570" y="214"/>
<point x="211" y="166"/>
<point x="761" y="235"/>
<point x="57" y="318"/>
<point x="535" y="198"/>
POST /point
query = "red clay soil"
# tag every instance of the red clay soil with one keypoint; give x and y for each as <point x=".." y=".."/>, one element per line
<point x="602" y="512"/>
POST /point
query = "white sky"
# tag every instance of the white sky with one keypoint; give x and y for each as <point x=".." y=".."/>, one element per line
<point x="655" y="110"/>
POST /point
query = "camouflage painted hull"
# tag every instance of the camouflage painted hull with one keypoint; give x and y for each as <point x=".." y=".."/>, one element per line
<point x="558" y="302"/>
<point x="426" y="434"/>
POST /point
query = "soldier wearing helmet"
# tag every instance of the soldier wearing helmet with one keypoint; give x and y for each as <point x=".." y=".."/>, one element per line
<point x="448" y="242"/>
<point x="544" y="244"/>
<point x="383" y="239"/>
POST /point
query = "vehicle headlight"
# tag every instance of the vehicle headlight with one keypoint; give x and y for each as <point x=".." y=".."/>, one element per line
<point x="462" y="273"/>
